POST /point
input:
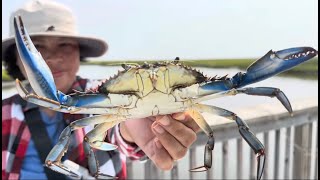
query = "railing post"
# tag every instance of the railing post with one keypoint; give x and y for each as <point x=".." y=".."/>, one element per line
<point x="266" y="149"/>
<point x="192" y="161"/>
<point x="210" y="173"/>
<point x="287" y="153"/>
<point x="300" y="162"/>
<point x="174" y="172"/>
<point x="252" y="169"/>
<point x="129" y="168"/>
<point x="225" y="159"/>
<point x="309" y="150"/>
<point x="147" y="170"/>
<point x="316" y="154"/>
<point x="239" y="158"/>
<point x="151" y="171"/>
<point x="277" y="155"/>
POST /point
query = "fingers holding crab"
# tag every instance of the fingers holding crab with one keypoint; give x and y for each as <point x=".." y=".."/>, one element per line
<point x="161" y="157"/>
<point x="173" y="135"/>
<point x="187" y="120"/>
<point x="165" y="138"/>
<point x="147" y="141"/>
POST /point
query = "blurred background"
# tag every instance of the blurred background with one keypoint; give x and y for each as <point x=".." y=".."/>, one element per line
<point x="204" y="29"/>
<point x="219" y="38"/>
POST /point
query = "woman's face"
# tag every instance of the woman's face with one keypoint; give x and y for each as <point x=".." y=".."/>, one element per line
<point x="62" y="56"/>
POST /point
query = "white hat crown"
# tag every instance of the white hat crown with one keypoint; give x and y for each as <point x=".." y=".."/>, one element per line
<point x="45" y="16"/>
<point x="49" y="18"/>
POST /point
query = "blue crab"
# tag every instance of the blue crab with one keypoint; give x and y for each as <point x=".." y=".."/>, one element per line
<point x="148" y="90"/>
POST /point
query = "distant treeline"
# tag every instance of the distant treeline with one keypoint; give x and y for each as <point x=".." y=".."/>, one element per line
<point x="307" y="70"/>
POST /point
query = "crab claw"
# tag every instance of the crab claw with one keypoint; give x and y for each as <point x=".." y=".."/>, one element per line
<point x="254" y="143"/>
<point x="261" y="161"/>
<point x="207" y="156"/>
<point x="105" y="176"/>
<point x="63" y="170"/>
<point x="284" y="100"/>
<point x="53" y="160"/>
<point x="38" y="72"/>
<point x="207" y="160"/>
<point x="272" y="63"/>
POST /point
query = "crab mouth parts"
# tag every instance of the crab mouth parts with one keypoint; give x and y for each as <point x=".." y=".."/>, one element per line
<point x="300" y="54"/>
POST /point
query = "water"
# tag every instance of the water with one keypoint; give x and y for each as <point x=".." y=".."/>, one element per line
<point x="294" y="88"/>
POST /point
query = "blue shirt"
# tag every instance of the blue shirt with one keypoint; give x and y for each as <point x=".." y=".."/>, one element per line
<point x="32" y="168"/>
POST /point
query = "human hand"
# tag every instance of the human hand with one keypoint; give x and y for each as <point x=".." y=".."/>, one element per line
<point x="163" y="139"/>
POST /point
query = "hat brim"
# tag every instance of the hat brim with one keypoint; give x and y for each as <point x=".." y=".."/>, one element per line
<point x="89" y="46"/>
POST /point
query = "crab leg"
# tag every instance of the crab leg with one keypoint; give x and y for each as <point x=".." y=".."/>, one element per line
<point x="257" y="91"/>
<point x="250" y="138"/>
<point x="210" y="144"/>
<point x="33" y="98"/>
<point x="80" y="103"/>
<point x="53" y="160"/>
<point x="95" y="138"/>
<point x="270" y="92"/>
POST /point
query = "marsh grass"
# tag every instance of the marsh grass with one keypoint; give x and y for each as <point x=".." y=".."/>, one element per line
<point x="5" y="76"/>
<point x="307" y="70"/>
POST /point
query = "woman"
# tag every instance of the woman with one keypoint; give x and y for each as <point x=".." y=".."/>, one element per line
<point x="54" y="33"/>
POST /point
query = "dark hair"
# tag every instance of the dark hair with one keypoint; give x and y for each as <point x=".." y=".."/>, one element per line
<point x="10" y="63"/>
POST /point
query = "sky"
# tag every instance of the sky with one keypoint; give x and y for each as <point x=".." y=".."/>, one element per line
<point x="191" y="29"/>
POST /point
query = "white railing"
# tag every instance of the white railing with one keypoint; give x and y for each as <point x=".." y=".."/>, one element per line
<point x="290" y="144"/>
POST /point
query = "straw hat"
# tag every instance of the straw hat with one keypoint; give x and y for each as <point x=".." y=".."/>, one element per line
<point x="48" y="18"/>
